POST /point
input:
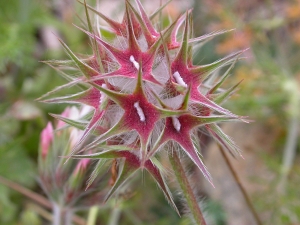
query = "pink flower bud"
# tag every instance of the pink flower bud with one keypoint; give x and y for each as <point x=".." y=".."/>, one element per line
<point x="76" y="180"/>
<point x="81" y="166"/>
<point x="66" y="114"/>
<point x="46" y="139"/>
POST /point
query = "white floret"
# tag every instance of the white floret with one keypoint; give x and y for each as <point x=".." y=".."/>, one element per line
<point x="176" y="123"/>
<point x="135" y="63"/>
<point x="179" y="79"/>
<point x="139" y="111"/>
<point x="102" y="95"/>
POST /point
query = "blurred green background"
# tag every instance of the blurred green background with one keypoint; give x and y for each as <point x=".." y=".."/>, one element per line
<point x="269" y="95"/>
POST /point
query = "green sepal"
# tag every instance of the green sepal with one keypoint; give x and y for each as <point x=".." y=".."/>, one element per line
<point x="224" y="140"/>
<point x="182" y="55"/>
<point x="206" y="37"/>
<point x="111" y="154"/>
<point x="74" y="123"/>
<point x="93" y="40"/>
<point x="126" y="172"/>
<point x="221" y="97"/>
<point x="68" y="98"/>
<point x="166" y="34"/>
<point x="185" y="102"/>
<point x="208" y="69"/>
<point x="113" y="95"/>
<point x="224" y="77"/>
<point x="95" y="173"/>
<point x="85" y="69"/>
<point x="59" y="88"/>
<point x="111" y="22"/>
<point x="115" y="130"/>
<point x="132" y="42"/>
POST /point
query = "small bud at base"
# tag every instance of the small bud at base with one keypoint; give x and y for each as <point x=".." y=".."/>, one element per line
<point x="46" y="139"/>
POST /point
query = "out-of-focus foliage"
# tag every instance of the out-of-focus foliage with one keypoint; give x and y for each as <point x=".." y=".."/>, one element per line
<point x="271" y="77"/>
<point x="22" y="79"/>
<point x="271" y="30"/>
<point x="270" y="91"/>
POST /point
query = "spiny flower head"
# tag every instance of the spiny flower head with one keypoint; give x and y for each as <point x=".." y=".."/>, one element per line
<point x="146" y="93"/>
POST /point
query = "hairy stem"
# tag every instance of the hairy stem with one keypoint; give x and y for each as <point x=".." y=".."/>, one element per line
<point x="35" y="197"/>
<point x="57" y="215"/>
<point x="186" y="189"/>
<point x="61" y="216"/>
<point x="68" y="217"/>
<point x="238" y="182"/>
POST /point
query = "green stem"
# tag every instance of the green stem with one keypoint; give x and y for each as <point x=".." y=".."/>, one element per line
<point x="133" y="217"/>
<point x="186" y="189"/>
<point x="289" y="152"/>
<point x="115" y="216"/>
<point x="92" y="215"/>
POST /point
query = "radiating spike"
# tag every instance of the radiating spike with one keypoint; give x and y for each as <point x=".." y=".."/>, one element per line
<point x="74" y="123"/>
<point x="93" y="40"/>
<point x="95" y="172"/>
<point x="208" y="36"/>
<point x="224" y="140"/>
<point x="115" y="96"/>
<point x="192" y="153"/>
<point x="59" y="88"/>
<point x="220" y="98"/>
<point x="156" y="174"/>
<point x="85" y="69"/>
<point x="203" y="100"/>
<point x="166" y="34"/>
<point x="150" y="38"/>
<point x="132" y="42"/>
<point x="113" y="131"/>
<point x="182" y="55"/>
<point x="186" y="99"/>
<point x="139" y="88"/>
<point x="217" y="85"/>
<point x="126" y="172"/>
<point x="89" y="97"/>
<point x="151" y="17"/>
<point x="172" y="40"/>
<point x="146" y="19"/>
<point x="205" y="70"/>
<point x="118" y="27"/>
